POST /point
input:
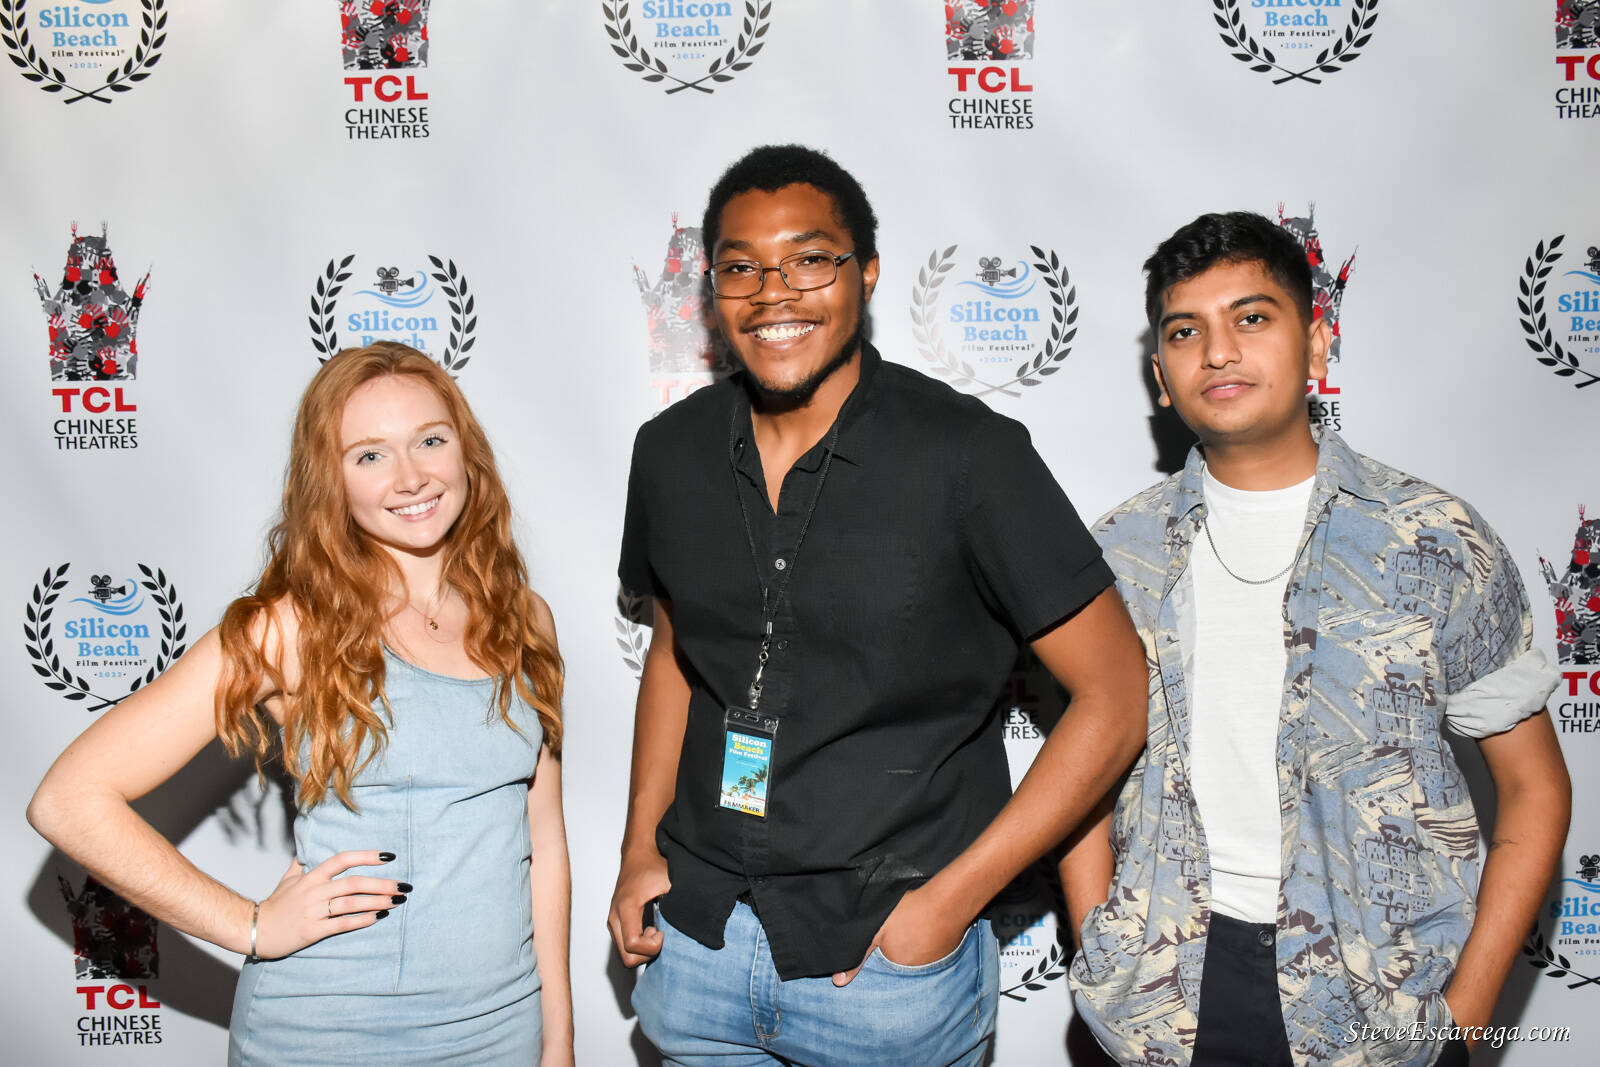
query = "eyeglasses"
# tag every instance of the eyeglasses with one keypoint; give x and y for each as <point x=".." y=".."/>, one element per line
<point x="801" y="272"/>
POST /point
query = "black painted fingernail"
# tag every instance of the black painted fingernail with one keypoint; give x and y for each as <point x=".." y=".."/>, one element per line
<point x="404" y="887"/>
<point x="386" y="857"/>
<point x="397" y="899"/>
<point x="381" y="914"/>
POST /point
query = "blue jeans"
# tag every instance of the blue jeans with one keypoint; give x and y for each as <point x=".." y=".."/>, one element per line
<point x="728" y="1007"/>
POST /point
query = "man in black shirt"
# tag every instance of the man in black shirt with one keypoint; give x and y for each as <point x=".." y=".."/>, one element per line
<point x="844" y="556"/>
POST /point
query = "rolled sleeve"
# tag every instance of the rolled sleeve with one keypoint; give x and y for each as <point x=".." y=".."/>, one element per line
<point x="1029" y="549"/>
<point x="1496" y="702"/>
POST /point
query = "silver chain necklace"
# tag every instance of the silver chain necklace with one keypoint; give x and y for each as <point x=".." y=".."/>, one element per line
<point x="1205" y="524"/>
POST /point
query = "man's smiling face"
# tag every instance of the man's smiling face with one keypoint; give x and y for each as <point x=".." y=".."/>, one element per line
<point x="791" y="342"/>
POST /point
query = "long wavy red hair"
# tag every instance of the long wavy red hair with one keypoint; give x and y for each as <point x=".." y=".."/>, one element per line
<point x="341" y="586"/>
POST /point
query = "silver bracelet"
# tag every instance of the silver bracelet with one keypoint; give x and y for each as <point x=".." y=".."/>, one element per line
<point x="255" y="917"/>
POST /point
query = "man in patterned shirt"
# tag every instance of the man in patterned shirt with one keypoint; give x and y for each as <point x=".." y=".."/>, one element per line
<point x="1292" y="866"/>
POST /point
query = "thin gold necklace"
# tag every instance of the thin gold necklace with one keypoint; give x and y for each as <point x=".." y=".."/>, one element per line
<point x="432" y="622"/>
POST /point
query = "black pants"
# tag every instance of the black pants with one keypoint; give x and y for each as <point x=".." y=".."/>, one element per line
<point x="1241" y="1021"/>
<point x="1454" y="1054"/>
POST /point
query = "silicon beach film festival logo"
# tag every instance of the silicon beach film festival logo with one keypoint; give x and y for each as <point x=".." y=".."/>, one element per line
<point x="116" y="961"/>
<point x="396" y="304"/>
<point x="119" y="633"/>
<point x="1005" y="324"/>
<point x="88" y="50"/>
<point x="1327" y="302"/>
<point x="92" y="319"/>
<point x="1574" y="918"/>
<point x="1574" y="327"/>
<point x="1296" y="40"/>
<point x="687" y="44"/>
<point x="985" y="42"/>
<point x="384" y="36"/>
<point x="1578" y="59"/>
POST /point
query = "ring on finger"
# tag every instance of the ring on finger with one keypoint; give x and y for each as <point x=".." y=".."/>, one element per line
<point x="330" y="907"/>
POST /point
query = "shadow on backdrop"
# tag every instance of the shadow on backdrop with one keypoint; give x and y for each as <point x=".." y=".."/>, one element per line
<point x="634" y="620"/>
<point x="1170" y="436"/>
<point x="115" y="943"/>
<point x="621" y="979"/>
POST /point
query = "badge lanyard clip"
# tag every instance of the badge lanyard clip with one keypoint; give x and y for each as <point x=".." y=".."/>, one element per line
<point x="761" y="660"/>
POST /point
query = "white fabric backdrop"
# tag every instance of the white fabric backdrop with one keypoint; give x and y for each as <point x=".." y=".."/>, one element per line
<point x="547" y="185"/>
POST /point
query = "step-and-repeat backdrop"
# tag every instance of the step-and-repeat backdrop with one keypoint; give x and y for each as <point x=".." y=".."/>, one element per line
<point x="203" y="200"/>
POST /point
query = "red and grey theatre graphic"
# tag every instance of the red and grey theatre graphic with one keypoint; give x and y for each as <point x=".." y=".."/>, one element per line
<point x="1575" y="592"/>
<point x="110" y="937"/>
<point x="679" y="343"/>
<point x="1329" y="286"/>
<point x="684" y="356"/>
<point x="384" y="34"/>
<point x="91" y="315"/>
<point x="988" y="29"/>
<point x="1578" y="24"/>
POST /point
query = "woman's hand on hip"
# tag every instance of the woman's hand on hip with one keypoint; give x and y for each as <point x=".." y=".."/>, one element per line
<point x="308" y="906"/>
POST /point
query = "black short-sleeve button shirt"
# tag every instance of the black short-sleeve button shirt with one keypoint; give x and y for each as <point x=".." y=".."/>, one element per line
<point x="939" y="541"/>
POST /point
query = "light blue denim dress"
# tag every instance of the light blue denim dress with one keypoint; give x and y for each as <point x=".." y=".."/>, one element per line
<point x="448" y="976"/>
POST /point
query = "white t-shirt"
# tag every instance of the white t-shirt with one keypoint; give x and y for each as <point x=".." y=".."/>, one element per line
<point x="1236" y="688"/>
<point x="1234" y="667"/>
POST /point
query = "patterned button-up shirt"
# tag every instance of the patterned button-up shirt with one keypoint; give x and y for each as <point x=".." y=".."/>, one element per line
<point x="1401" y="596"/>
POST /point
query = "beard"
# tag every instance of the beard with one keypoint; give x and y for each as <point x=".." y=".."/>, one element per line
<point x="777" y="399"/>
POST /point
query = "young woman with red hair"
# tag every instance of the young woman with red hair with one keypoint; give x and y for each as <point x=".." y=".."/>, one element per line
<point x="394" y="646"/>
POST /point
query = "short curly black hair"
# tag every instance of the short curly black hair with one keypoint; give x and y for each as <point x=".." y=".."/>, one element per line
<point x="1228" y="237"/>
<point x="774" y="166"/>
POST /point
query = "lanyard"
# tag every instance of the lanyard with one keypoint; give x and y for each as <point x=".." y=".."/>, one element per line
<point x="770" y="597"/>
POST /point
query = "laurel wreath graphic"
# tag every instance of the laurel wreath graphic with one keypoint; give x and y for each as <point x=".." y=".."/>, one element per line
<point x="41" y="642"/>
<point x="1552" y="964"/>
<point x="1054" y="965"/>
<point x="631" y="631"/>
<point x="1049" y="969"/>
<point x="1536" y="325"/>
<point x="959" y="373"/>
<point x="619" y="27"/>
<point x="463" y="314"/>
<point x="1331" y="60"/>
<point x="152" y="35"/>
<point x="463" y="310"/>
<point x="323" y="335"/>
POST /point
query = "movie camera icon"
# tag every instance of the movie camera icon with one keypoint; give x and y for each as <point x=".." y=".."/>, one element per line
<point x="389" y="280"/>
<point x="101" y="589"/>
<point x="989" y="271"/>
